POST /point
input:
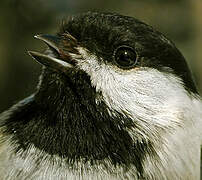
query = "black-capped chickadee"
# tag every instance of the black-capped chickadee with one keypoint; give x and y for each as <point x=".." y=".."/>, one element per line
<point x="115" y="100"/>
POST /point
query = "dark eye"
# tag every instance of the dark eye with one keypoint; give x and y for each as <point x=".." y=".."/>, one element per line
<point x="125" y="57"/>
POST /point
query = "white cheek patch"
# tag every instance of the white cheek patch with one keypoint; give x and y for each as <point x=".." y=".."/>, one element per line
<point x="143" y="93"/>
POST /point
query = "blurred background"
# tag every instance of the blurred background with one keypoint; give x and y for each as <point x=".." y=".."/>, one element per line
<point x="20" y="20"/>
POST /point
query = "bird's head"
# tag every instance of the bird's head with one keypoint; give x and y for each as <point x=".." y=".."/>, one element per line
<point x="117" y="63"/>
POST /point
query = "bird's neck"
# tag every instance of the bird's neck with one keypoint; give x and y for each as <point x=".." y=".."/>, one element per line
<point x="58" y="142"/>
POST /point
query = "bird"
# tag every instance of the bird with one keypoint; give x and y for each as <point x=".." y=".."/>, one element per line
<point x="115" y="100"/>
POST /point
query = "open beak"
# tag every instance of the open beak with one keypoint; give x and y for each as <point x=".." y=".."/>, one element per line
<point x="58" y="57"/>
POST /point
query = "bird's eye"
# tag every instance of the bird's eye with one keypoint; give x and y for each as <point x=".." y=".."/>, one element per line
<point x="125" y="57"/>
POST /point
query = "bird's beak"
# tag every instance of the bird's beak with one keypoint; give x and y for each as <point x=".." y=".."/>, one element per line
<point x="59" y="54"/>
